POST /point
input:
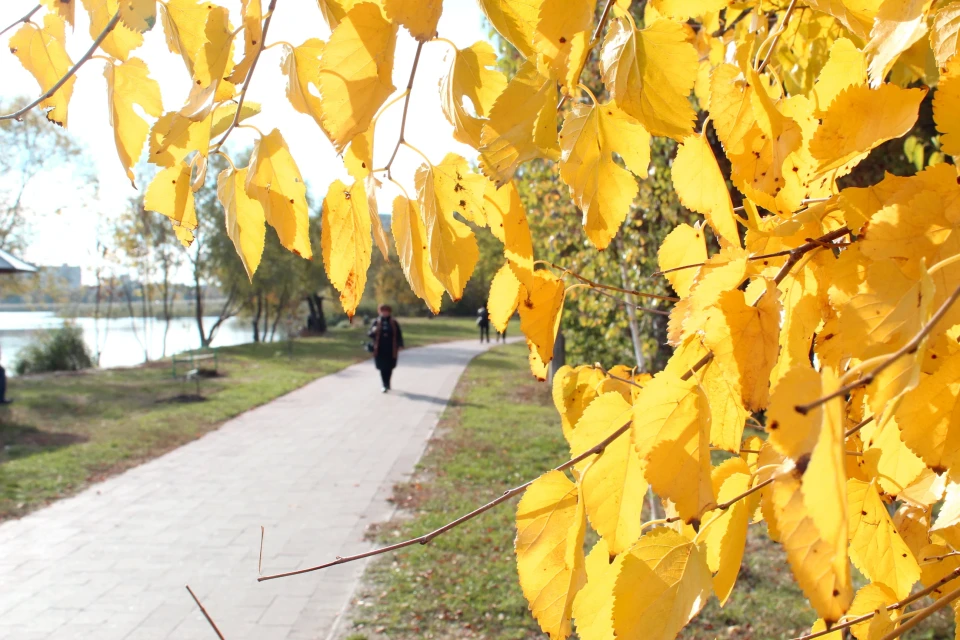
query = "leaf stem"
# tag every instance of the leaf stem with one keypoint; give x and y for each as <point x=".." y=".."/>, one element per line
<point x="246" y="82"/>
<point x="776" y="36"/>
<point x="594" y="41"/>
<point x="73" y="70"/>
<point x="860" y="425"/>
<point x="424" y="539"/>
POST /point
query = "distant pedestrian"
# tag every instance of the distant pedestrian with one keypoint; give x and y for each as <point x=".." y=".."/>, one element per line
<point x="483" y="321"/>
<point x="502" y="335"/>
<point x="387" y="342"/>
<point x="3" y="386"/>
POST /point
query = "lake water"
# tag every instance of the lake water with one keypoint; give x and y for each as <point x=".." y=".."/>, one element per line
<point x="122" y="340"/>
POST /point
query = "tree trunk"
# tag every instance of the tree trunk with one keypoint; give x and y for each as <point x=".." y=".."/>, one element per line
<point x="256" y="318"/>
<point x="198" y="307"/>
<point x="632" y="318"/>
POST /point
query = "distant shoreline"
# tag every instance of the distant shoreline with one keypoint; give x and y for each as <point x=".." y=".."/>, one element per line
<point x="119" y="309"/>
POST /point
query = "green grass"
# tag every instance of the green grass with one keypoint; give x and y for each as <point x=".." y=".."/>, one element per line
<point x="500" y="430"/>
<point x="67" y="430"/>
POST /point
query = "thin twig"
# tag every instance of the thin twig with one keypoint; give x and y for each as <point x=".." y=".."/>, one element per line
<point x="908" y="348"/>
<point x="260" y="561"/>
<point x="923" y="614"/>
<point x="627" y="303"/>
<point x="73" y="70"/>
<point x="246" y="82"/>
<point x="406" y="106"/>
<point x="608" y="287"/>
<point x="893" y="607"/>
<point x="776" y="37"/>
<point x="811" y="243"/>
<point x="602" y="370"/>
<point x="424" y="539"/>
<point x="860" y="425"/>
<point x="721" y="32"/>
<point x="205" y="614"/>
<point x="594" y="41"/>
<point x="729" y="503"/>
<point x="25" y="18"/>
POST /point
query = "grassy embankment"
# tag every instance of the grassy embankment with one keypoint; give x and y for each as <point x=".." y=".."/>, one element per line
<point x="67" y="430"/>
<point x="500" y="430"/>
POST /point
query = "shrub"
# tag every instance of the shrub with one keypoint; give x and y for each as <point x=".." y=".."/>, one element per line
<point x="62" y="349"/>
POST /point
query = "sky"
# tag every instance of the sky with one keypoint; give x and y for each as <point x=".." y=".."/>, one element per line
<point x="65" y="223"/>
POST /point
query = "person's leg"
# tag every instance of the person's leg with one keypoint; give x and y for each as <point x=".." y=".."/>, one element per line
<point x="3" y="385"/>
<point x="385" y="378"/>
<point x="387" y="375"/>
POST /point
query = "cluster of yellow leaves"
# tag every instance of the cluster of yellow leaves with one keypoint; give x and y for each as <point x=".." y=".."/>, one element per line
<point x="822" y="316"/>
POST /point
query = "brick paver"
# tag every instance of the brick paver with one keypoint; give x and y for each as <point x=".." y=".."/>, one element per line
<point x="314" y="467"/>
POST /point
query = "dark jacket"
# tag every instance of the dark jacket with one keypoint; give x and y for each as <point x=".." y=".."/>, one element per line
<point x="387" y="341"/>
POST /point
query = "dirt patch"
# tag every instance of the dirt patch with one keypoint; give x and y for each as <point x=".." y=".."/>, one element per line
<point x="183" y="398"/>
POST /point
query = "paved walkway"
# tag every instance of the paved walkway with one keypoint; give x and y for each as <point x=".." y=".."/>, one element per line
<point x="314" y="467"/>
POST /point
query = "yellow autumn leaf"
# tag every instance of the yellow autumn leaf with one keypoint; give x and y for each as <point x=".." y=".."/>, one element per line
<point x="507" y="220"/>
<point x="410" y="239"/>
<point x="602" y="189"/>
<point x="460" y="190"/>
<point x="420" y="17"/>
<point x="472" y="79"/>
<point x="244" y="218"/>
<point x="945" y="33"/>
<point x="122" y="39"/>
<point x="346" y="241"/>
<point x="335" y="10"/>
<point x="549" y="548"/>
<point x="613" y="490"/>
<point x="251" y="12"/>
<point x="593" y="604"/>
<point x="790" y="432"/>
<point x="42" y="53"/>
<point x="683" y="246"/>
<point x="686" y="9"/>
<point x="63" y="8"/>
<point x="928" y="417"/>
<point x="663" y="583"/>
<point x="819" y="561"/>
<point x="727" y="536"/>
<point x="301" y="65"/>
<point x="139" y="15"/>
<point x="129" y="84"/>
<point x="573" y="390"/>
<point x="561" y="39"/>
<point x="453" y="250"/>
<point x="184" y="25"/>
<point x="845" y="67"/>
<point x="540" y="312"/>
<point x="860" y="119"/>
<point x="744" y="340"/>
<point x="671" y="426"/>
<point x="212" y="63"/>
<point x="650" y="73"/>
<point x="355" y="72"/>
<point x="876" y="547"/>
<point x="887" y="457"/>
<point x="855" y="16"/>
<point x="896" y="27"/>
<point x="946" y="106"/>
<point x="700" y="187"/>
<point x="873" y="598"/>
<point x="521" y="124"/>
<point x="274" y="179"/>
<point x="169" y="193"/>
<point x="173" y="136"/>
<point x="515" y="20"/>
<point x="505" y="294"/>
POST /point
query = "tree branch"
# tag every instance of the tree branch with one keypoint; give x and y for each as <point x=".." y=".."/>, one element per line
<point x="627" y="303"/>
<point x="246" y="82"/>
<point x="424" y="539"/>
<point x="206" y="615"/>
<point x="923" y="614"/>
<point x="406" y="106"/>
<point x="73" y="70"/>
<point x="908" y="348"/>
<point x="597" y="285"/>
<point x="776" y="37"/>
<point x="860" y="425"/>
<point x="25" y="18"/>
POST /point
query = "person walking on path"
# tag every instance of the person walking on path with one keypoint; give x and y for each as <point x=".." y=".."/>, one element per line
<point x="387" y="342"/>
<point x="502" y="335"/>
<point x="483" y="321"/>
